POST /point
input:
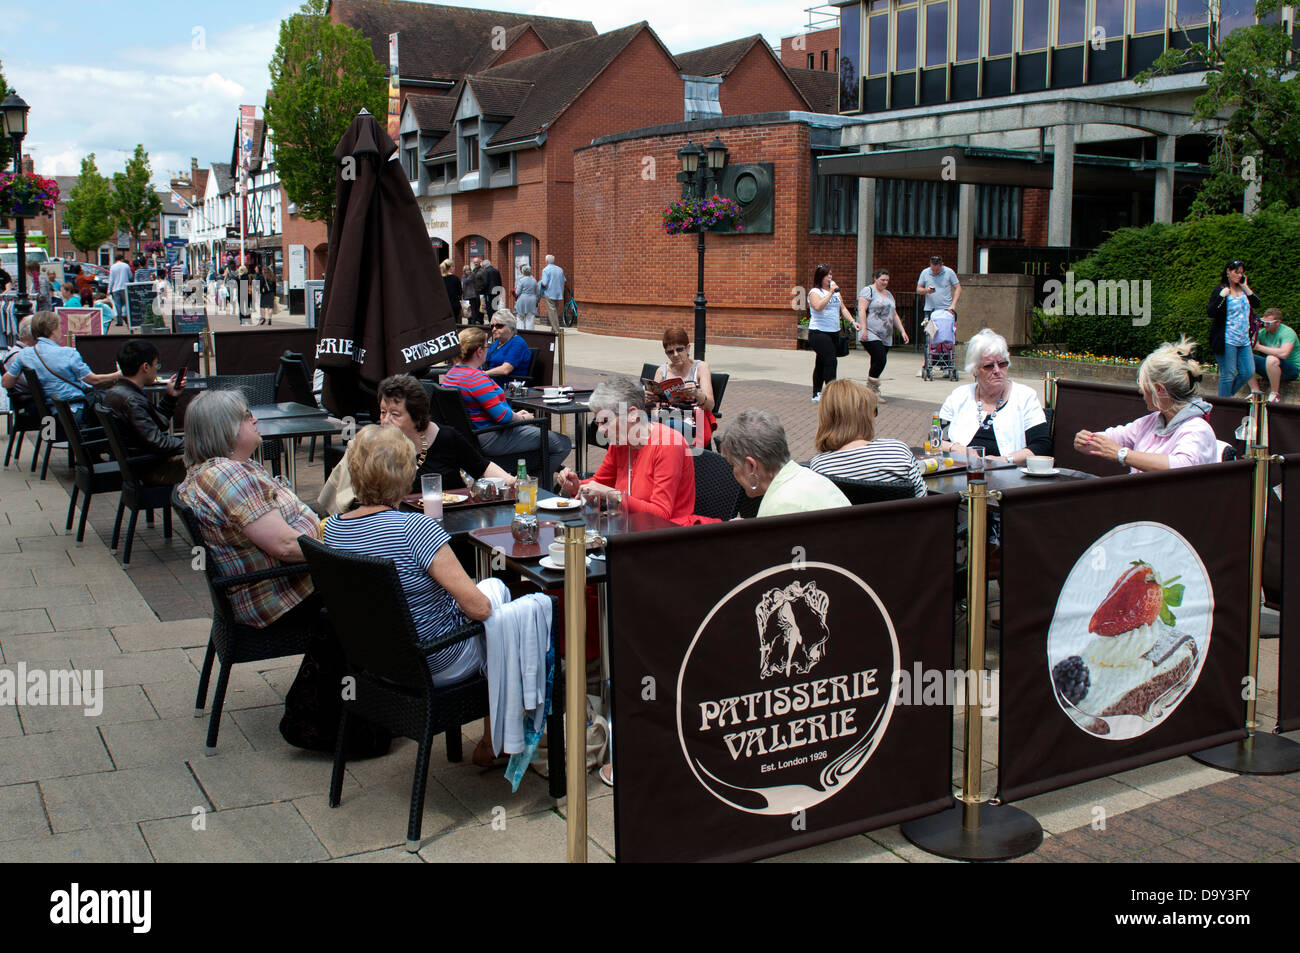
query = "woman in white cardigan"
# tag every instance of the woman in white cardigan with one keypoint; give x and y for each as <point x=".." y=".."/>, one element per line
<point x="1003" y="417"/>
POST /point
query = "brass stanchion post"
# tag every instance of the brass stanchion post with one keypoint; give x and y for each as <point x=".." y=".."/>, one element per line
<point x="1256" y="753"/>
<point x="975" y="829"/>
<point x="575" y="699"/>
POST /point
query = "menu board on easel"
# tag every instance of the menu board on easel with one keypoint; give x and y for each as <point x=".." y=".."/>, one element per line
<point x="77" y="322"/>
<point x="140" y="299"/>
<point x="315" y="299"/>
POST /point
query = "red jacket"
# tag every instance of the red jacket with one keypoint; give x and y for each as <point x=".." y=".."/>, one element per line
<point x="661" y="476"/>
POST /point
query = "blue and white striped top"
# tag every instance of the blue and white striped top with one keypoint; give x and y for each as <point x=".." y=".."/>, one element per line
<point x="410" y="540"/>
<point x="827" y="317"/>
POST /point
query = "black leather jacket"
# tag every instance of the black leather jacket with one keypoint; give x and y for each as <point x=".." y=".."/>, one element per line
<point x="147" y="424"/>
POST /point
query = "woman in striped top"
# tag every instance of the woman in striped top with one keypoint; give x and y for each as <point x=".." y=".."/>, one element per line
<point x="847" y="445"/>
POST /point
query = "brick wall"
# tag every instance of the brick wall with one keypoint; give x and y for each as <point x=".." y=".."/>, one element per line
<point x="758" y="85"/>
<point x="299" y="231"/>
<point x="527" y="44"/>
<point x="814" y="43"/>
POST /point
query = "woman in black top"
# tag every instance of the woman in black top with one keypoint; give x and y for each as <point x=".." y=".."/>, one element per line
<point x="453" y="286"/>
<point x="266" y="291"/>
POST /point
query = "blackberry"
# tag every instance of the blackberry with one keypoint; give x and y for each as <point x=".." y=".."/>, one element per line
<point x="1071" y="679"/>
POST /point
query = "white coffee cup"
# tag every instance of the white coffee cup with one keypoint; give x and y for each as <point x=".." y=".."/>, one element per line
<point x="552" y="392"/>
<point x="557" y="553"/>
<point x="1038" y="464"/>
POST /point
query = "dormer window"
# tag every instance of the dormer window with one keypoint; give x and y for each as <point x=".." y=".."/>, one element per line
<point x="471" y="154"/>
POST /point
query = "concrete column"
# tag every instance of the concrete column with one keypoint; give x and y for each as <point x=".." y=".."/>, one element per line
<point x="866" y="227"/>
<point x="1250" y="203"/>
<point x="1062" y="200"/>
<point x="966" y="229"/>
<point x="1164" y="210"/>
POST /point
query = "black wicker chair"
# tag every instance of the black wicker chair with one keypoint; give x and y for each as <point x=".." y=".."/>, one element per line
<point x="43" y="412"/>
<point x="136" y="494"/>
<point x="257" y="389"/>
<point x="716" y="491"/>
<point x="232" y="641"/>
<point x="865" y="491"/>
<point x="747" y="506"/>
<point x="89" y="474"/>
<point x="371" y="617"/>
<point x="292" y="373"/>
<point x="447" y="408"/>
<point x="22" y="420"/>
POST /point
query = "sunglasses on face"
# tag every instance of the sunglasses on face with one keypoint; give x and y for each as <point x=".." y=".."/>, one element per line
<point x="670" y="351"/>
<point x="495" y="326"/>
<point x="1002" y="365"/>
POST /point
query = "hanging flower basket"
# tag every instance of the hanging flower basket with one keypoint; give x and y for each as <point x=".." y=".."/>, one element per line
<point x="23" y="195"/>
<point x="153" y="247"/>
<point x="694" y="215"/>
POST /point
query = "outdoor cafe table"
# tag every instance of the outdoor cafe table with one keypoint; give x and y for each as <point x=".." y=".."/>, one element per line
<point x="533" y="401"/>
<point x="1001" y="476"/>
<point x="285" y="410"/>
<point x="287" y="428"/>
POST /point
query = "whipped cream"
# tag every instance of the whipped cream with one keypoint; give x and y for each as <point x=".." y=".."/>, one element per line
<point x="1123" y="650"/>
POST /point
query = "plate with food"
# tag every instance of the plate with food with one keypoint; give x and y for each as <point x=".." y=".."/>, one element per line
<point x="560" y="504"/>
<point x="1131" y="631"/>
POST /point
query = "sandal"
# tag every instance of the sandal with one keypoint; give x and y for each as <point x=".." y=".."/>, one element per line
<point x="484" y="756"/>
<point x="606" y="773"/>
<point x="1274" y="397"/>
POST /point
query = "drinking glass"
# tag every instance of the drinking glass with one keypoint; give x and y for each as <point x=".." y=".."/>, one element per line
<point x="526" y="496"/>
<point x="975" y="462"/>
<point x="431" y="490"/>
<point x="614" y="511"/>
<point x="591" y="509"/>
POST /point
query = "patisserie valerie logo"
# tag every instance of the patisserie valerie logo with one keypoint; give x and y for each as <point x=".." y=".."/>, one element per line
<point x="791" y="731"/>
<point x="1131" y="631"/>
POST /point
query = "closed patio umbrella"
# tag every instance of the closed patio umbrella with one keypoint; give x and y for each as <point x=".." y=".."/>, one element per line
<point x="385" y="309"/>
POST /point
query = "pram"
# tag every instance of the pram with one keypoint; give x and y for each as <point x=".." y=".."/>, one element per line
<point x="940" y="334"/>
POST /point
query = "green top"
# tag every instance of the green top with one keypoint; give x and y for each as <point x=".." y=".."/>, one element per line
<point x="1283" y="336"/>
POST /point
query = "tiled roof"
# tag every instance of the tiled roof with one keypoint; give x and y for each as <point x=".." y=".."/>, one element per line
<point x="446" y="146"/>
<point x="432" y="113"/>
<point x="489" y="53"/>
<point x="66" y="184"/>
<point x="820" y="87"/>
<point x="439" y="42"/>
<point x="200" y="182"/>
<point x="169" y="206"/>
<point x="558" y="77"/>
<point x="225" y="179"/>
<point x="498" y="96"/>
<point x="716" y="60"/>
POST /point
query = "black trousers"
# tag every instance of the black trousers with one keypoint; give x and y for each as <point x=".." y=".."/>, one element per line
<point x="879" y="352"/>
<point x="823" y="345"/>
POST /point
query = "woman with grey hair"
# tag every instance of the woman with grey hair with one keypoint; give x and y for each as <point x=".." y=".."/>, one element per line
<point x="995" y="413"/>
<point x="508" y="355"/>
<point x="759" y="455"/>
<point x="1177" y="433"/>
<point x="648" y="463"/>
<point x="250" y="522"/>
<point x="526" y="292"/>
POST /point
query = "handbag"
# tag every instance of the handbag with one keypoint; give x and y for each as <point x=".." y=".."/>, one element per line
<point x="841" y="346"/>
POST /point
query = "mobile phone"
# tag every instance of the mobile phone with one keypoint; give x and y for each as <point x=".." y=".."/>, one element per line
<point x="180" y="375"/>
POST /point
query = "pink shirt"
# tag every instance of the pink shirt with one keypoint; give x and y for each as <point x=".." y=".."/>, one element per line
<point x="1189" y="444"/>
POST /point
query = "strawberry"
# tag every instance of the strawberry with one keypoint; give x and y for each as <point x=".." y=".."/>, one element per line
<point x="1136" y="599"/>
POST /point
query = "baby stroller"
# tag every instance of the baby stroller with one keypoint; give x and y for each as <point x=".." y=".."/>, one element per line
<point x="940" y="333"/>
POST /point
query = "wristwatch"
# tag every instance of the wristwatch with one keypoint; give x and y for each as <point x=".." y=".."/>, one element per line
<point x="1122" y="455"/>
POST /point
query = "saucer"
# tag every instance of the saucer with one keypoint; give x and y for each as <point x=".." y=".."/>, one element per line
<point x="1040" y="473"/>
<point x="560" y="504"/>
<point x="557" y="400"/>
<point x="547" y="563"/>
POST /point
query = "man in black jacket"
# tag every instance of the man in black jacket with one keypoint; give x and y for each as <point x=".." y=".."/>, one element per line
<point x="492" y="288"/>
<point x="145" y="427"/>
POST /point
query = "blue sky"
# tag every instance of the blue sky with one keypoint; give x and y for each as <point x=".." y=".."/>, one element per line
<point x="101" y="77"/>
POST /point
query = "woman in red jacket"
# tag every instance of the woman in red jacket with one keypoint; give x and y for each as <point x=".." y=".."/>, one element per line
<point x="648" y="463"/>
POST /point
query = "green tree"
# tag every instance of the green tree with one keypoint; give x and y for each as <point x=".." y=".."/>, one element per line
<point x="87" y="211"/>
<point x="134" y="203"/>
<point x="1250" y="79"/>
<point x="6" y="150"/>
<point x="322" y="75"/>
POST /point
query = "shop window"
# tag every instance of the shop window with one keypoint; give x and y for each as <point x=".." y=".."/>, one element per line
<point x="936" y="34"/>
<point x="1070" y="19"/>
<point x="968" y="30"/>
<point x="1033" y="24"/>
<point x="1002" y="14"/>
<point x="878" y="45"/>
<point x="1148" y="16"/>
<point x="905" y="41"/>
<point x="1110" y="18"/>
<point x="849" y="65"/>
<point x="834" y="206"/>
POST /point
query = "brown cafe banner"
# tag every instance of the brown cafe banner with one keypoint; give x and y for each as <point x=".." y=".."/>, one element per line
<point x="1128" y="641"/>
<point x="1288" y="690"/>
<point x="753" y="711"/>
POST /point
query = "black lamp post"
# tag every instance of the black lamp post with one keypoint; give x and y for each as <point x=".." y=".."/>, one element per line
<point x="14" y="112"/>
<point x="697" y="178"/>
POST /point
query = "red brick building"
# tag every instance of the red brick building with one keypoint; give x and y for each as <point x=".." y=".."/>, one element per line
<point x="816" y="50"/>
<point x="631" y="278"/>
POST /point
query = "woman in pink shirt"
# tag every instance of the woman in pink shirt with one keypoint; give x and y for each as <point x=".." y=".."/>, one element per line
<point x="1177" y="433"/>
<point x="648" y="463"/>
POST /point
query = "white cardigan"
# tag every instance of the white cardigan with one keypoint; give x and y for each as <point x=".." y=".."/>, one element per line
<point x="1021" y="411"/>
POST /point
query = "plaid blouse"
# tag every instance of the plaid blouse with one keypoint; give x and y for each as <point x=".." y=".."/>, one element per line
<point x="228" y="495"/>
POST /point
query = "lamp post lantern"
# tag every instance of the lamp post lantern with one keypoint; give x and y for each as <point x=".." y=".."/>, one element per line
<point x="697" y="178"/>
<point x="14" y="114"/>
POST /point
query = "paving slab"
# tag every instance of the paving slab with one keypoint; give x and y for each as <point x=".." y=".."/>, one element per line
<point x="138" y="668"/>
<point x="267" y="833"/>
<point x="43" y="597"/>
<point x="375" y="817"/>
<point x="259" y="726"/>
<point x="10" y="726"/>
<point x="36" y="525"/>
<point x="163" y="635"/>
<point x="892" y="839"/>
<point x="17" y="579"/>
<point x="1171" y="778"/>
<point x="57" y="646"/>
<point x="108" y="615"/>
<point x="63" y="575"/>
<point x="115" y="797"/>
<point x="53" y="755"/>
<point x="857" y="849"/>
<point x="246" y="689"/>
<point x="260" y="777"/>
<point x="115" y="844"/>
<point x="485" y="790"/>
<point x="391" y="855"/>
<point x="168" y="741"/>
<point x="123" y="704"/>
<point x="24" y="621"/>
<point x="540" y="837"/>
<point x="21" y="813"/>
<point x="1072" y="807"/>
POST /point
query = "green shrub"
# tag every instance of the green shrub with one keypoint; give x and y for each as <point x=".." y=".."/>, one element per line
<point x="1184" y="263"/>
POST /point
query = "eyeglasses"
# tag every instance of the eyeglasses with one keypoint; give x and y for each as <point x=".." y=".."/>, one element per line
<point x="248" y="415"/>
<point x="498" y="326"/>
<point x="670" y="351"/>
<point x="1001" y="365"/>
<point x="1235" y="264"/>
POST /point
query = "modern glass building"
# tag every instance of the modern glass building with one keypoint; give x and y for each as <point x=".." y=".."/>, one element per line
<point x="898" y="54"/>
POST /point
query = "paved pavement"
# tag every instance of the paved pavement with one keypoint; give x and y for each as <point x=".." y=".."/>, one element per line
<point x="132" y="784"/>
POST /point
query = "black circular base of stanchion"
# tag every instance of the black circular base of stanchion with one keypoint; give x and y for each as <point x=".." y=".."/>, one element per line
<point x="1004" y="832"/>
<point x="1264" y="754"/>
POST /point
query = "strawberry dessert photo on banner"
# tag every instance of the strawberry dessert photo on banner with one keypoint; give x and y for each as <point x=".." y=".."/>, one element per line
<point x="1131" y="631"/>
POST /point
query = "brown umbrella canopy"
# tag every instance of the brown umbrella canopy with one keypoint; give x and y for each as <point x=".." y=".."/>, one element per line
<point x="385" y="309"/>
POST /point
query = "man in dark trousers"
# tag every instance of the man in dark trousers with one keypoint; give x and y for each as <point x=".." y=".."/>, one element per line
<point x="144" y="425"/>
<point x="492" y="289"/>
<point x="473" y="291"/>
